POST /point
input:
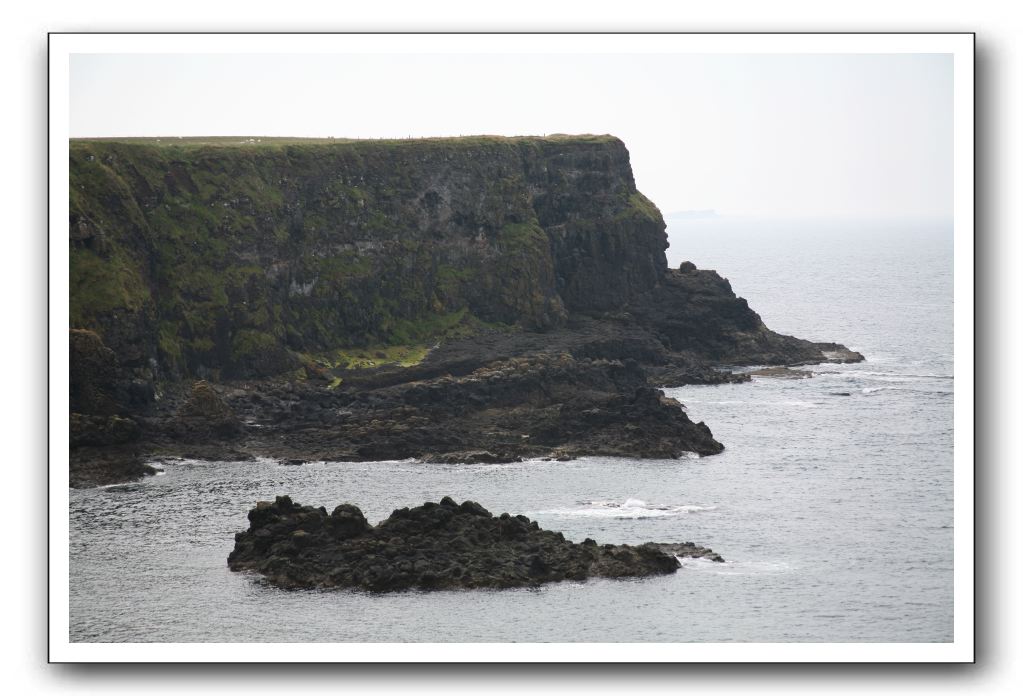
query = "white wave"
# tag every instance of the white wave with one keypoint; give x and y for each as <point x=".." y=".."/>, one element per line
<point x="368" y="464"/>
<point x="632" y="508"/>
<point x="716" y="403"/>
<point x="732" y="567"/>
<point x="934" y="392"/>
<point x="184" y="463"/>
<point x="872" y="375"/>
<point x="494" y="466"/>
<point x="803" y="404"/>
<point x="902" y="375"/>
<point x="905" y="378"/>
<point x="704" y="564"/>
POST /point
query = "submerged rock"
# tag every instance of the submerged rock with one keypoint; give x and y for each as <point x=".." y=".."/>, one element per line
<point x="434" y="546"/>
<point x="782" y="372"/>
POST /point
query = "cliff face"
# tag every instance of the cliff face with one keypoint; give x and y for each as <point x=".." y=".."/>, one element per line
<point x="230" y="259"/>
<point x="381" y="281"/>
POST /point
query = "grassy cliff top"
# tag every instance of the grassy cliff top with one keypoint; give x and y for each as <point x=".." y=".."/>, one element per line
<point x="258" y="142"/>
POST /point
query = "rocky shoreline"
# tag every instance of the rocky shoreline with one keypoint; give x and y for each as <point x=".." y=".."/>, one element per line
<point x="590" y="388"/>
<point x="436" y="546"/>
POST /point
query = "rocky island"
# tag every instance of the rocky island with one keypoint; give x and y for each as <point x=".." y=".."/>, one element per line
<point x="453" y="300"/>
<point x="434" y="546"/>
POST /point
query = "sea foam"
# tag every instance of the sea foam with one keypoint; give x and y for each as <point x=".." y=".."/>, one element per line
<point x="632" y="508"/>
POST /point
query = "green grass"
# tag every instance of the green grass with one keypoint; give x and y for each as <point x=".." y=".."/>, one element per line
<point x="257" y="142"/>
<point x="368" y="358"/>
<point x="100" y="285"/>
<point x="641" y="207"/>
<point x="520" y="237"/>
<point x="379" y="356"/>
<point x="420" y="338"/>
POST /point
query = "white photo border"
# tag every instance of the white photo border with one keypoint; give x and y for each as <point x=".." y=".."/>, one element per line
<point x="960" y="45"/>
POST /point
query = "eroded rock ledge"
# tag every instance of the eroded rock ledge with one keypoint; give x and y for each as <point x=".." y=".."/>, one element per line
<point x="434" y="546"/>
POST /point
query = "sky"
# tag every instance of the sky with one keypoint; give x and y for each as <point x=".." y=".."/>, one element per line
<point x="779" y="135"/>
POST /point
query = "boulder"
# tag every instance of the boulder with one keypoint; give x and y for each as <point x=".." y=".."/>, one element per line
<point x="204" y="412"/>
<point x="93" y="374"/>
<point x="102" y="430"/>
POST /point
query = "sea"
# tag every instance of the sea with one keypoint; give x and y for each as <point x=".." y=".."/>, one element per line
<point x="831" y="504"/>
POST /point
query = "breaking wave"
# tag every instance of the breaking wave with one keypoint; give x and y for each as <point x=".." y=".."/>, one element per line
<point x="632" y="508"/>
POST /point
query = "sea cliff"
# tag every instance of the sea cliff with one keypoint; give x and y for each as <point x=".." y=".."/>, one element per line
<point x="458" y="299"/>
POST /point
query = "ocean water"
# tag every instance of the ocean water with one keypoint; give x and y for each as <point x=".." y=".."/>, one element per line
<point x="832" y="503"/>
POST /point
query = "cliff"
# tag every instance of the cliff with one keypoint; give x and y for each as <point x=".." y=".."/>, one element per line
<point x="466" y="299"/>
<point x="227" y="259"/>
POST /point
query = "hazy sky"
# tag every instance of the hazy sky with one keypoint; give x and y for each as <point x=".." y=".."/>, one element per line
<point x="781" y="135"/>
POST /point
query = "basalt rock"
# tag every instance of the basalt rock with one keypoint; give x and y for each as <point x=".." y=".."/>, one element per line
<point x="102" y="430"/>
<point x="204" y="413"/>
<point x="93" y="368"/>
<point x="100" y="383"/>
<point x="697" y="313"/>
<point x="688" y="549"/>
<point x="435" y="546"/>
<point x="781" y="373"/>
<point x="105" y="465"/>
<point x="543" y="405"/>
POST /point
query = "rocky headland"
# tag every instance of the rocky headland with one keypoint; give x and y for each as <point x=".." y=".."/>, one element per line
<point x="455" y="300"/>
<point x="435" y="546"/>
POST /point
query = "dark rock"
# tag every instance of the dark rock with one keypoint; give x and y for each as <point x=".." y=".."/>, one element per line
<point x="837" y="353"/>
<point x="782" y="373"/>
<point x="101" y="466"/>
<point x="434" y="546"/>
<point x="93" y="374"/>
<point x="100" y="384"/>
<point x="102" y="430"/>
<point x="467" y="457"/>
<point x="205" y="413"/>
<point x="687" y="550"/>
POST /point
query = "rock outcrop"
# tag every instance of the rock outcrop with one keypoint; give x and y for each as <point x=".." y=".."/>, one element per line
<point x="435" y="546"/>
<point x="103" y="432"/>
<point x="204" y="414"/>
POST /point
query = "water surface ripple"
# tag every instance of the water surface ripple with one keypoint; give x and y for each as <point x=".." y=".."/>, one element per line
<point x="834" y="512"/>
